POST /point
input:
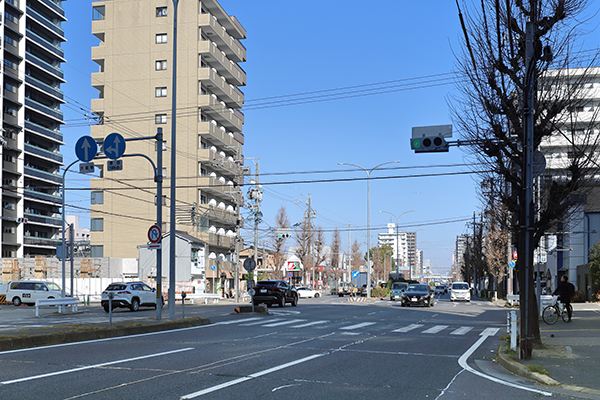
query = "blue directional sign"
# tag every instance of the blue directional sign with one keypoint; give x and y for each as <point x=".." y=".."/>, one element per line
<point x="355" y="274"/>
<point x="114" y="146"/>
<point x="86" y="148"/>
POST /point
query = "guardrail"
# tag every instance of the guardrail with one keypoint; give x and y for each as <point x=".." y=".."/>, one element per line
<point x="206" y="297"/>
<point x="67" y="301"/>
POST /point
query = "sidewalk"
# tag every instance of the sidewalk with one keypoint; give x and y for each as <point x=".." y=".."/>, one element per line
<point x="570" y="354"/>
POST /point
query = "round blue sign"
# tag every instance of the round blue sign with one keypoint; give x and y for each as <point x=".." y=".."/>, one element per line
<point x="213" y="268"/>
<point x="355" y="274"/>
<point x="114" y="146"/>
<point x="86" y="148"/>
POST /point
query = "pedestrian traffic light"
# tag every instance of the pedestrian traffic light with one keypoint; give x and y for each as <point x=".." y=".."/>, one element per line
<point x="429" y="144"/>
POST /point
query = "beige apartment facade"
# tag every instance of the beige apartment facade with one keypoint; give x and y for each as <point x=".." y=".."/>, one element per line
<point x="134" y="83"/>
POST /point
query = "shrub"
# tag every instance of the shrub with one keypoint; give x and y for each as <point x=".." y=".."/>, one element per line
<point x="380" y="292"/>
<point x="577" y="297"/>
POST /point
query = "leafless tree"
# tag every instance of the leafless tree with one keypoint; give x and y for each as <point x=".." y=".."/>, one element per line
<point x="304" y="242"/>
<point x="282" y="224"/>
<point x="334" y="270"/>
<point x="357" y="259"/>
<point x="490" y="112"/>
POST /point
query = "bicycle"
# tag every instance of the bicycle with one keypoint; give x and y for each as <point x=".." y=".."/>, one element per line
<point x="551" y="313"/>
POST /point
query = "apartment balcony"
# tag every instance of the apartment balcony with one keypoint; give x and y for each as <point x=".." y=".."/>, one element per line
<point x="98" y="52"/>
<point x="98" y="28"/>
<point x="10" y="239"/>
<point x="49" y="68"/>
<point x="98" y="79"/>
<point x="50" y="47"/>
<point x="221" y="164"/>
<point x="43" y="175"/>
<point x="215" y="186"/>
<point x="223" y="115"/>
<point x="212" y="240"/>
<point x="41" y="242"/>
<point x="45" y="88"/>
<point x="43" y="153"/>
<point x="54" y="8"/>
<point x="216" y="214"/>
<point x="215" y="134"/>
<point x="232" y="47"/>
<point x="40" y="196"/>
<point x="40" y="19"/>
<point x="233" y="72"/>
<point x="44" y="132"/>
<point x="213" y="82"/>
<point x="44" y="110"/>
<point x="36" y="219"/>
<point x="97" y="105"/>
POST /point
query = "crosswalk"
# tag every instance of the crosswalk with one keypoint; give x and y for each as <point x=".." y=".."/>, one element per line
<point x="295" y="323"/>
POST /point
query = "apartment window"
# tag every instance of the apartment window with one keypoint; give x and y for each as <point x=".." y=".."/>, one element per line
<point x="10" y="88"/>
<point x="10" y="17"/>
<point x="161" y="11"/>
<point x="161" y="65"/>
<point x="10" y="111"/>
<point x="10" y="158"/>
<point x="97" y="224"/>
<point x="161" y="38"/>
<point x="7" y="205"/>
<point x="97" y="198"/>
<point x="97" y="251"/>
<point x="10" y="40"/>
<point x="160" y="119"/>
<point x="10" y="229"/>
<point x="161" y="92"/>
<point x="97" y="13"/>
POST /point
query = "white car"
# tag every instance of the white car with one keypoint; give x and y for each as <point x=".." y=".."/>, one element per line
<point x="304" y="292"/>
<point x="27" y="292"/>
<point x="132" y="295"/>
<point x="460" y="291"/>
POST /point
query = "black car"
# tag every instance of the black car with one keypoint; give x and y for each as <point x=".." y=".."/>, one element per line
<point x="274" y="292"/>
<point x="419" y="294"/>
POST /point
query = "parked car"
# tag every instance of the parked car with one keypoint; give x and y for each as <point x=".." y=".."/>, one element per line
<point x="132" y="295"/>
<point x="271" y="292"/>
<point x="343" y="289"/>
<point x="418" y="294"/>
<point x="307" y="292"/>
<point x="27" y="292"/>
<point x="441" y="289"/>
<point x="397" y="289"/>
<point x="460" y="291"/>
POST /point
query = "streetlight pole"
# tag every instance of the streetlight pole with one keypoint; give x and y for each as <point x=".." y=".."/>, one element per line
<point x="368" y="171"/>
<point x="397" y="241"/>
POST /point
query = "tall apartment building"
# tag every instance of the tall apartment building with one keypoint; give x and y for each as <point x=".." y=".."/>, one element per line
<point x="404" y="245"/>
<point x="31" y="120"/>
<point x="134" y="83"/>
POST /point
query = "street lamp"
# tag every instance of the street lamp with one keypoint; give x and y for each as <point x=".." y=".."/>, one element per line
<point x="397" y="242"/>
<point x="368" y="171"/>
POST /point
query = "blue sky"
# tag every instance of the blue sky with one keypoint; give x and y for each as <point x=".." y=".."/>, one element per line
<point x="374" y="49"/>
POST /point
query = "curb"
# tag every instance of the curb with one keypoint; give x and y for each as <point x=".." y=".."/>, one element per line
<point x="68" y="336"/>
<point x="519" y="369"/>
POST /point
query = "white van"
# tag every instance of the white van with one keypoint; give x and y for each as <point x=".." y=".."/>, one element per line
<point x="460" y="291"/>
<point x="27" y="292"/>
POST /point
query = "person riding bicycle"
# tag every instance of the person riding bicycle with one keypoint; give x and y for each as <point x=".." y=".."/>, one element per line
<point x="565" y="291"/>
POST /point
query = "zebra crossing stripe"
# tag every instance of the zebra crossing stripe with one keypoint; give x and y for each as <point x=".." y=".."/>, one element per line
<point x="435" y="329"/>
<point x="291" y="321"/>
<point x="408" y="328"/>
<point x="489" y="332"/>
<point x="462" y="330"/>
<point x="361" y="325"/>
<point x="262" y="321"/>
<point x="309" y="324"/>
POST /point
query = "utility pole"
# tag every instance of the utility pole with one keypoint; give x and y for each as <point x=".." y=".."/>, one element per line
<point x="256" y="195"/>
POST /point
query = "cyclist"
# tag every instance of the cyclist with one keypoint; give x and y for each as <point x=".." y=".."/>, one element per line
<point x="565" y="291"/>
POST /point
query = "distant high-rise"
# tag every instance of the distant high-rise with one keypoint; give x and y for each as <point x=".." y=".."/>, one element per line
<point x="31" y="119"/>
<point x="134" y="83"/>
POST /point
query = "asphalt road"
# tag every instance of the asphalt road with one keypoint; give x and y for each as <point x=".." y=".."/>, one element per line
<point x="323" y="348"/>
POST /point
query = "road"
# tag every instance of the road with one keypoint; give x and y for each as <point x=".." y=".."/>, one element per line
<point x="323" y="348"/>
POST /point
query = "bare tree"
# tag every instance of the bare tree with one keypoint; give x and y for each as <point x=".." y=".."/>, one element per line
<point x="334" y="270"/>
<point x="278" y="241"/>
<point x="356" y="255"/>
<point x="492" y="112"/>
<point x="319" y="252"/>
<point x="304" y="243"/>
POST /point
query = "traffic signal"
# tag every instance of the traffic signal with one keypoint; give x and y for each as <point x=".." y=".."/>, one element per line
<point x="429" y="144"/>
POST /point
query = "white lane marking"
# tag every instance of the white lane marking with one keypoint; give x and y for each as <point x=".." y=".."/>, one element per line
<point x="309" y="324"/>
<point x="291" y="321"/>
<point x="68" y="371"/>
<point x="126" y="337"/>
<point x="262" y="321"/>
<point x="361" y="325"/>
<point x="408" y="328"/>
<point x="489" y="332"/>
<point x="252" y="376"/>
<point x="435" y="329"/>
<point x="462" y="361"/>
<point x="462" y="330"/>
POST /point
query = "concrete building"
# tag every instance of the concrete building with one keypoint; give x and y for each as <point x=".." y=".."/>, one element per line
<point x="30" y="140"/>
<point x="404" y="245"/>
<point x="134" y="83"/>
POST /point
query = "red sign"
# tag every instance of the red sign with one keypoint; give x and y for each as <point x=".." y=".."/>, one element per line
<point x="154" y="234"/>
<point x="514" y="254"/>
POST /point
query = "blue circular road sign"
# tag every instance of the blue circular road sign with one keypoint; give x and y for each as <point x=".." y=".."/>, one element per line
<point x="86" y="148"/>
<point x="355" y="274"/>
<point x="114" y="146"/>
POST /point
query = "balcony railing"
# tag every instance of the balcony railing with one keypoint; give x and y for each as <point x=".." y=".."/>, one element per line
<point x="41" y="219"/>
<point x="44" y="21"/>
<point x="35" y="195"/>
<point x="37" y="173"/>
<point x="44" y="132"/>
<point x="38" y="62"/>
<point x="48" y="111"/>
<point x="54" y="7"/>
<point x="51" y="47"/>
<point x="38" y="151"/>
<point x="44" y="87"/>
